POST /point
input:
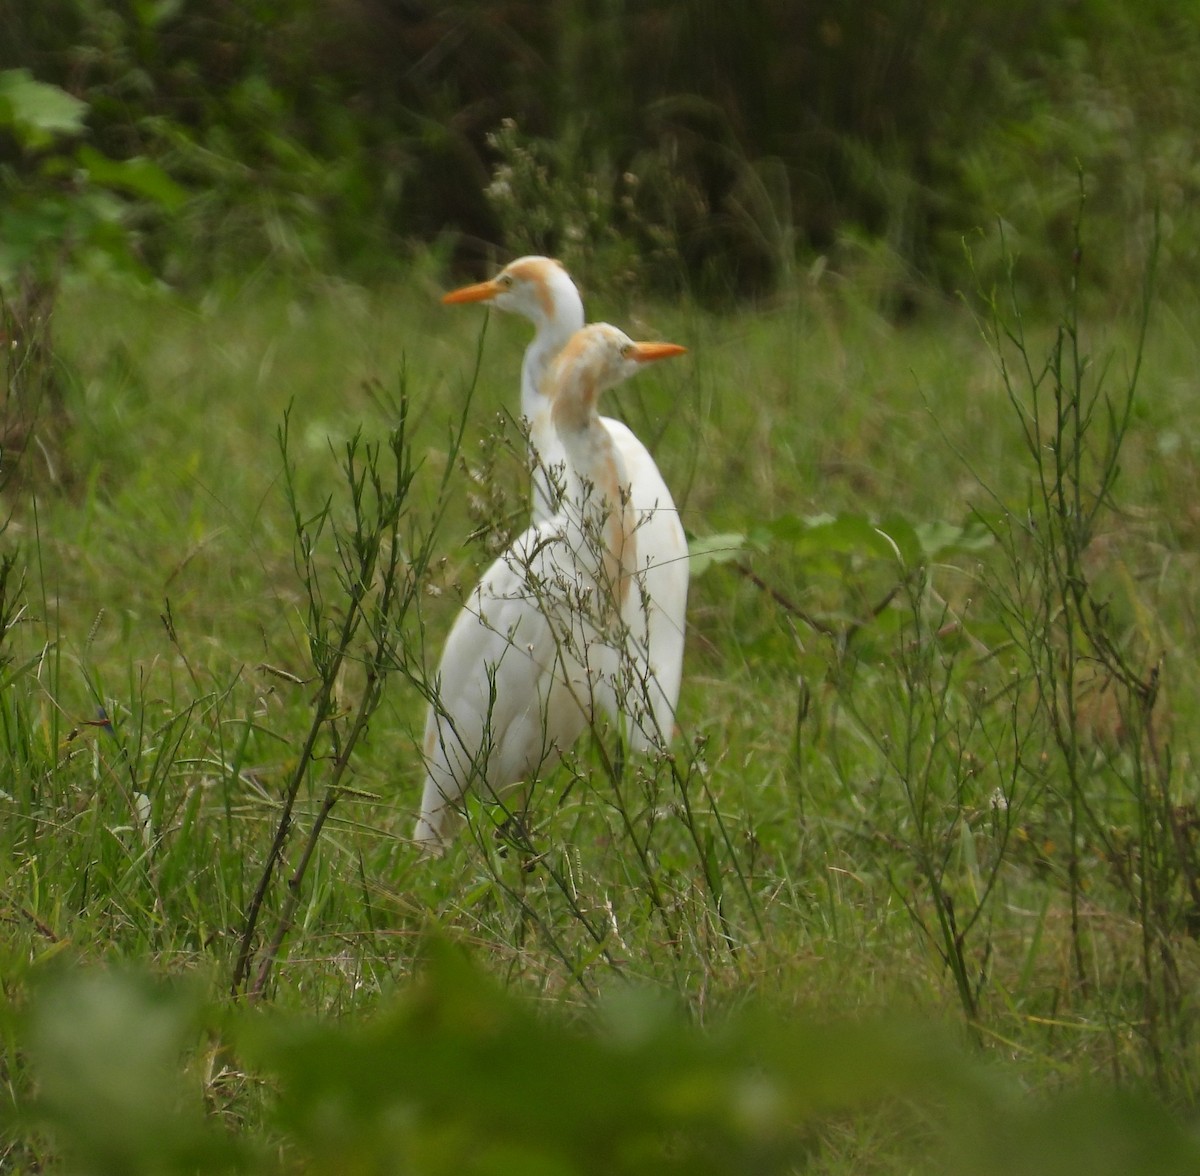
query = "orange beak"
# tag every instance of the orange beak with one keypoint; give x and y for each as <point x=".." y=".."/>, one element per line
<point x="649" y="352"/>
<point x="480" y="292"/>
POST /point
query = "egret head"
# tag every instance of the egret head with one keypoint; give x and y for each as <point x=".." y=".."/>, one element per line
<point x="538" y="288"/>
<point x="596" y="358"/>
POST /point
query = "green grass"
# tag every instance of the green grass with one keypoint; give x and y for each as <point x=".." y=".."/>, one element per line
<point x="832" y="793"/>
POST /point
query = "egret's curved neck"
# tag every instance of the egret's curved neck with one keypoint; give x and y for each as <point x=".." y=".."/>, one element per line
<point x="550" y="336"/>
<point x="597" y="489"/>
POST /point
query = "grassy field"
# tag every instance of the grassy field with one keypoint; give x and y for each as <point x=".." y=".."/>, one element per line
<point x="936" y="740"/>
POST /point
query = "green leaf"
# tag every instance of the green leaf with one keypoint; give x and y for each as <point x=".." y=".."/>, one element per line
<point x="903" y="535"/>
<point x="136" y="177"/>
<point x="834" y="534"/>
<point x="940" y="538"/>
<point x="38" y="113"/>
<point x="816" y="537"/>
<point x="937" y="537"/>
<point x="707" y="550"/>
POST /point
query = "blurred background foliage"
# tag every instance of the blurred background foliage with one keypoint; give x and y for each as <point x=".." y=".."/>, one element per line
<point x="457" y="1075"/>
<point x="691" y="146"/>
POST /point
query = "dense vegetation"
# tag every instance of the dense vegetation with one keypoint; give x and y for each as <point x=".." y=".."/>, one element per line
<point x="916" y="885"/>
<point x="710" y="148"/>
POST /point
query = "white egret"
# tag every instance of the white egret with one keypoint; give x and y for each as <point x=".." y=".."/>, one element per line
<point x="541" y="290"/>
<point x="546" y="636"/>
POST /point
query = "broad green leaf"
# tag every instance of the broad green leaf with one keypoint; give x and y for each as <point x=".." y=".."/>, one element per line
<point x="137" y="177"/>
<point x="793" y="529"/>
<point x="38" y="113"/>
<point x="941" y="538"/>
<point x="707" y="550"/>
<point x="904" y="535"/>
<point x="840" y="534"/>
<point x="814" y="537"/>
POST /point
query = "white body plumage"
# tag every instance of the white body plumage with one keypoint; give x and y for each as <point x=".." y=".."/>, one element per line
<point x="554" y="632"/>
<point x="540" y="290"/>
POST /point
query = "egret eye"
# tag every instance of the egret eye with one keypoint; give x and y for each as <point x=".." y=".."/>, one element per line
<point x="505" y="280"/>
<point x="626" y="350"/>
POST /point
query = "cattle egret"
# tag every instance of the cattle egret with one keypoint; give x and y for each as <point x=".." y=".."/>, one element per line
<point x="542" y="291"/>
<point x="548" y="634"/>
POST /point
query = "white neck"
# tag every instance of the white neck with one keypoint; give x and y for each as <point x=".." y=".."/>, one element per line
<point x="596" y="498"/>
<point x="592" y="461"/>
<point x="550" y="336"/>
